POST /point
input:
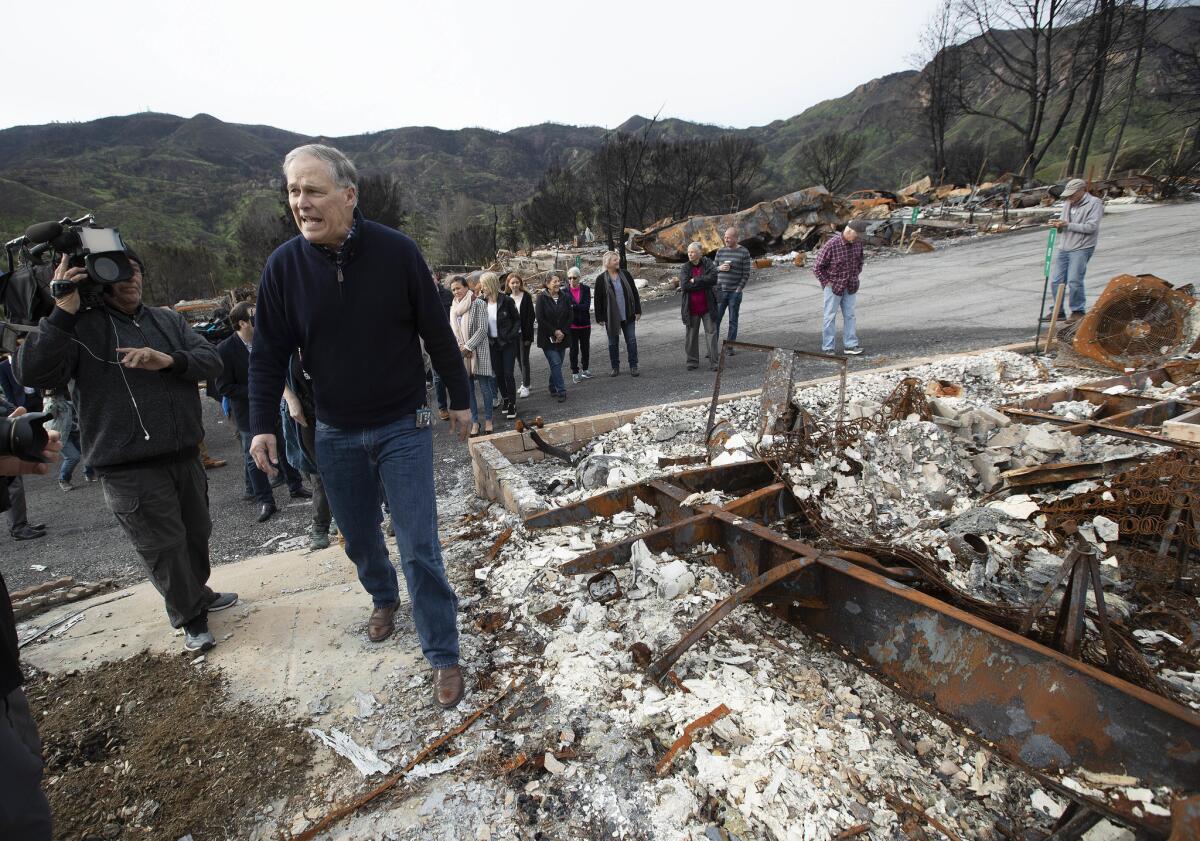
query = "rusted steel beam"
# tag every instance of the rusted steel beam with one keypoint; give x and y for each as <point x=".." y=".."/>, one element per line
<point x="1096" y="426"/>
<point x="1185" y="819"/>
<point x="663" y="497"/>
<point x="765" y="505"/>
<point x="1065" y="471"/>
<point x="679" y="537"/>
<point x="1040" y="709"/>
<point x="1112" y="404"/>
<point x="744" y="477"/>
<point x="723" y="608"/>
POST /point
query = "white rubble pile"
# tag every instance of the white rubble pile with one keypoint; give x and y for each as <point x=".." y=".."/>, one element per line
<point x="811" y="747"/>
<point x="631" y="452"/>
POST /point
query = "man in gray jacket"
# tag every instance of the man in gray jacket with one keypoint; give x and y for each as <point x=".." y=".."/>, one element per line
<point x="1078" y="231"/>
<point x="136" y="371"/>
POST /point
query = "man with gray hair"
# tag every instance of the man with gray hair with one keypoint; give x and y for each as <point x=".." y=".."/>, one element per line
<point x="733" y="270"/>
<point x="357" y="299"/>
<point x="1078" y="231"/>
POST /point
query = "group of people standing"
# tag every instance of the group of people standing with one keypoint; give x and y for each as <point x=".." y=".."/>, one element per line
<point x="496" y="321"/>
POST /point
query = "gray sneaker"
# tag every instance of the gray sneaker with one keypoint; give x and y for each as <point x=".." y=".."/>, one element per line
<point x="854" y="351"/>
<point x="64" y="485"/>
<point x="199" y="638"/>
<point x="223" y="601"/>
<point x="318" y="539"/>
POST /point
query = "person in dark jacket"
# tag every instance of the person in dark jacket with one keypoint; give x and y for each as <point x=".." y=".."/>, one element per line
<point x="439" y="386"/>
<point x="697" y="285"/>
<point x="357" y="299"/>
<point x="234" y="382"/>
<point x="18" y="513"/>
<point x="553" y="326"/>
<point x="137" y="371"/>
<point x="12" y="390"/>
<point x="504" y="339"/>
<point x="524" y="302"/>
<point x="618" y="308"/>
<point x="24" y="810"/>
<point x="302" y="414"/>
<point x="581" y="325"/>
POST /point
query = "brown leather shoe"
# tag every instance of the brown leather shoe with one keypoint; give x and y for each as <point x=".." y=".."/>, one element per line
<point x="448" y="686"/>
<point x="382" y="623"/>
<point x="213" y="463"/>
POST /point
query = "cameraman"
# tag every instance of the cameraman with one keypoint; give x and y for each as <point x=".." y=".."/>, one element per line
<point x="136" y="371"/>
<point x="24" y="812"/>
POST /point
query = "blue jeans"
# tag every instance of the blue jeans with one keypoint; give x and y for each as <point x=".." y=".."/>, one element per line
<point x="614" y="355"/>
<point x="731" y="302"/>
<point x="832" y="304"/>
<point x="71" y="456"/>
<point x="487" y="390"/>
<point x="554" y="356"/>
<point x="399" y="456"/>
<point x="1069" y="267"/>
<point x="257" y="482"/>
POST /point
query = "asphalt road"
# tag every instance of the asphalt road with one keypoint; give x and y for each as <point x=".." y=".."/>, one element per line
<point x="966" y="295"/>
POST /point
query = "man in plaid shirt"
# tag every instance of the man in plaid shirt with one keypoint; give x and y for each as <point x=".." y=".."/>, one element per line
<point x="838" y="266"/>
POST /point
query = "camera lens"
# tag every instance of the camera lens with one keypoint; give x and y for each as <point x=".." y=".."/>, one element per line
<point x="106" y="269"/>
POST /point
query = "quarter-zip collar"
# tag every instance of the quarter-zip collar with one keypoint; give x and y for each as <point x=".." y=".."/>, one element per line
<point x="344" y="253"/>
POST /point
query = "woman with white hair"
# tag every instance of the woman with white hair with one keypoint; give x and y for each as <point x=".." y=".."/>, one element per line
<point x="581" y="325"/>
<point x="697" y="287"/>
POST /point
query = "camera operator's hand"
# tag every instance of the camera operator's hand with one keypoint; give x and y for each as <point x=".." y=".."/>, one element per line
<point x="13" y="466"/>
<point x="146" y="358"/>
<point x="71" y="302"/>
<point x="265" y="453"/>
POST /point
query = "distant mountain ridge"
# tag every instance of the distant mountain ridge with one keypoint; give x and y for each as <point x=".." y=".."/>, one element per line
<point x="188" y="181"/>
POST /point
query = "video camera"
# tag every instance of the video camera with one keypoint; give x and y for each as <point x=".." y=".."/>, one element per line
<point x="27" y="290"/>
<point x="85" y="245"/>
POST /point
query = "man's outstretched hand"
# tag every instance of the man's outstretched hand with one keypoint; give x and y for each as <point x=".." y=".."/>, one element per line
<point x="13" y="466"/>
<point x="264" y="450"/>
<point x="460" y="422"/>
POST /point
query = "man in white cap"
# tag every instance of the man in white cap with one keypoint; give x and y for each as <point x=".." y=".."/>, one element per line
<point x="1078" y="231"/>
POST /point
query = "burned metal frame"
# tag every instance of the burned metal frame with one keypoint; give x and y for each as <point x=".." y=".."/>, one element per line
<point x="773" y="382"/>
<point x="1118" y="415"/>
<point x="1040" y="709"/>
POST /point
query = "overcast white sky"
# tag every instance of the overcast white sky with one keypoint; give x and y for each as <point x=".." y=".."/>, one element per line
<point x="338" y="68"/>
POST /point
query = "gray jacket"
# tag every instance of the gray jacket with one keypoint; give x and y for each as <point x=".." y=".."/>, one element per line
<point x="1083" y="224"/>
<point x="82" y="348"/>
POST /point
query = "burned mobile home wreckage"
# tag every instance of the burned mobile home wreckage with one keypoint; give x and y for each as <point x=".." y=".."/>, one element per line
<point x="1008" y="543"/>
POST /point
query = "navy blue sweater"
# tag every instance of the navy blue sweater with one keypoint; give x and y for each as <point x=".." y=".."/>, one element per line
<point x="359" y="327"/>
